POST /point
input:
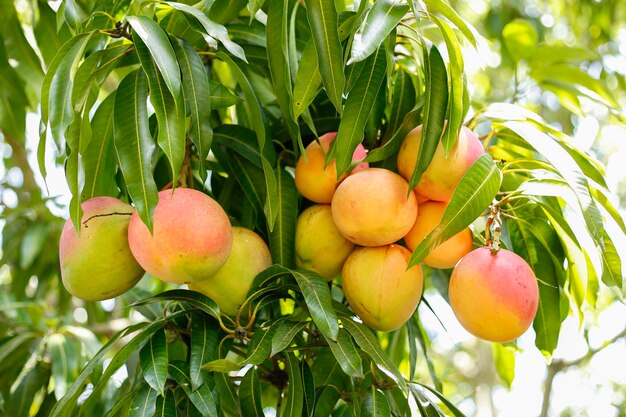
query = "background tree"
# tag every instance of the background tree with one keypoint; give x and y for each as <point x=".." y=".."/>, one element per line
<point x="270" y="76"/>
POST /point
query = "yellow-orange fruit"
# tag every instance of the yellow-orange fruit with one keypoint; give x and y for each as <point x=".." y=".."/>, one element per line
<point x="320" y="246"/>
<point x="444" y="173"/>
<point x="447" y="254"/>
<point x="98" y="264"/>
<point x="494" y="296"/>
<point x="379" y="288"/>
<point x="191" y="238"/>
<point x="373" y="207"/>
<point x="230" y="285"/>
<point x="315" y="182"/>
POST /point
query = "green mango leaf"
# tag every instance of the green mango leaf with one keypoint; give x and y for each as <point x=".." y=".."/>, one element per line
<point x="456" y="110"/>
<point x="222" y="366"/>
<point x="286" y="331"/>
<point x="204" y="338"/>
<point x="308" y="386"/>
<point x="65" y="406"/>
<point x="346" y="354"/>
<point x="455" y="411"/>
<point x="144" y="403"/>
<point x="575" y="178"/>
<point x="520" y="38"/>
<point x="197" y="94"/>
<point x="49" y="40"/>
<point x="260" y="345"/>
<point x="394" y="143"/>
<point x="381" y="19"/>
<point x="169" y="110"/>
<point x="279" y="65"/>
<point x="546" y="54"/>
<point x="282" y="238"/>
<point x="317" y="297"/>
<point x="22" y="395"/>
<point x="196" y="299"/>
<point x="270" y="206"/>
<point x="254" y="34"/>
<point x="471" y="197"/>
<point x="64" y="353"/>
<point x="526" y="243"/>
<point x="434" y="112"/>
<point x="403" y="99"/>
<point x="78" y="133"/>
<point x="358" y="107"/>
<point x="134" y="143"/>
<point x="153" y="359"/>
<point x="368" y="342"/>
<point x="212" y="29"/>
<point x="60" y="88"/>
<point x="294" y="398"/>
<point x="249" y="176"/>
<point x="426" y="407"/>
<point x="221" y="97"/>
<point x="160" y="49"/>
<point x="449" y="13"/>
<point x="99" y="159"/>
<point x="324" y="24"/>
<point x="229" y="399"/>
<point x="123" y="405"/>
<point x="567" y="74"/>
<point x="308" y="80"/>
<point x="241" y="140"/>
<point x="422" y="337"/>
<point x="166" y="405"/>
<point x="202" y="397"/>
<point x="250" y="395"/>
<point x="375" y="404"/>
<point x="504" y="359"/>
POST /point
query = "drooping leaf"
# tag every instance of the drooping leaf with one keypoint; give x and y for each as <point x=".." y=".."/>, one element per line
<point x="381" y="19"/>
<point x="202" y="397"/>
<point x="260" y="345"/>
<point x="346" y="354"/>
<point x="134" y="143"/>
<point x="370" y="345"/>
<point x="358" y="107"/>
<point x="250" y="394"/>
<point x="375" y="404"/>
<point x="442" y="7"/>
<point x="64" y="353"/>
<point x="282" y="237"/>
<point x="323" y="20"/>
<point x="318" y="300"/>
<point x="392" y="146"/>
<point x="286" y="331"/>
<point x="144" y="403"/>
<point x="153" y="359"/>
<point x="212" y="29"/>
<point x="99" y="157"/>
<point x="203" y="344"/>
<point x="197" y="92"/>
<point x="196" y="299"/>
<point x="161" y="50"/>
<point x="434" y="112"/>
<point x="456" y="111"/>
<point x="169" y="109"/>
<point x="308" y="384"/>
<point x="471" y="197"/>
<point x="279" y="64"/>
<point x="294" y="397"/>
<point x="403" y="99"/>
<point x="166" y="405"/>
<point x="308" y="80"/>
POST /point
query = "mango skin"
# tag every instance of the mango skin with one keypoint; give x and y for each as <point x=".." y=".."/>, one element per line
<point x="494" y="297"/>
<point x="447" y="254"/>
<point x="379" y="288"/>
<point x="320" y="246"/>
<point x="191" y="240"/>
<point x="373" y="207"/>
<point x="444" y="174"/>
<point x="229" y="287"/>
<point x="315" y="182"/>
<point x="99" y="264"/>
